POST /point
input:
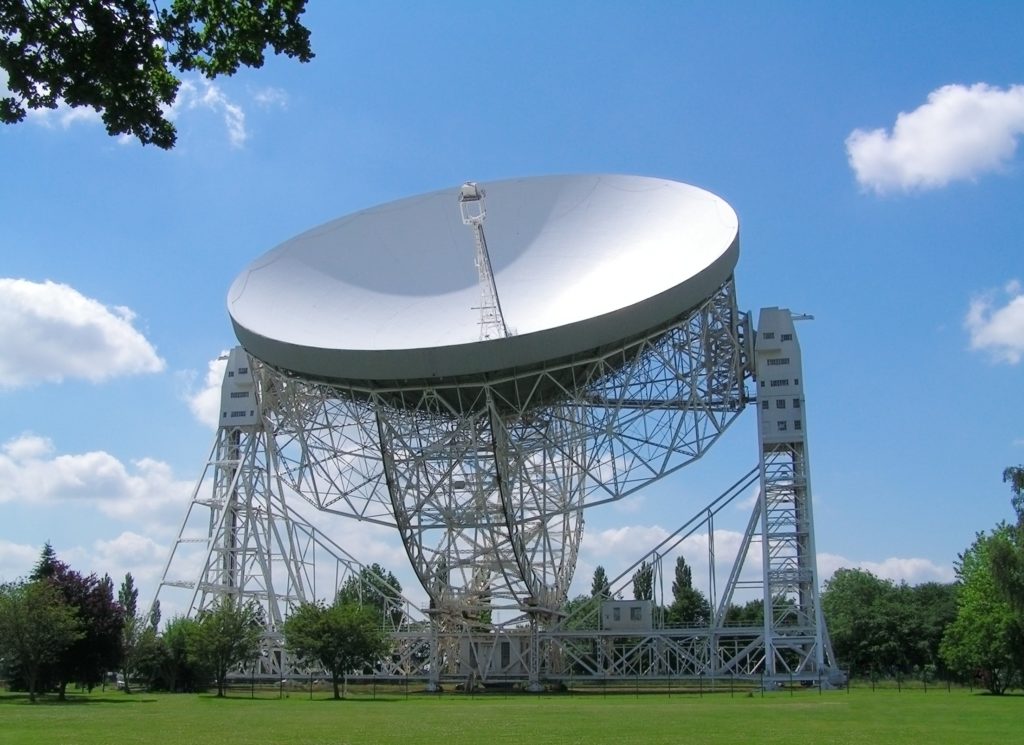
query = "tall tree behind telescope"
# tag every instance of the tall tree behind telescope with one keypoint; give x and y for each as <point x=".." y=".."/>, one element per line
<point x="120" y="57"/>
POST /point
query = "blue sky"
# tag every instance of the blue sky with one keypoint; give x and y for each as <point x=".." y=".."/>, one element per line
<point x="872" y="158"/>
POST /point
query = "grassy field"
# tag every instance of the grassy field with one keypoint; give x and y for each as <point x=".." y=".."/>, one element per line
<point x="860" y="716"/>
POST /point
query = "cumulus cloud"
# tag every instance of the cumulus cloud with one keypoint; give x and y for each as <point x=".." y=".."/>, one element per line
<point x="898" y="569"/>
<point x="63" y="116"/>
<point x="31" y="471"/>
<point x="202" y="94"/>
<point x="958" y="134"/>
<point x="16" y="560"/>
<point x="52" y="332"/>
<point x="998" y="329"/>
<point x="204" y="400"/>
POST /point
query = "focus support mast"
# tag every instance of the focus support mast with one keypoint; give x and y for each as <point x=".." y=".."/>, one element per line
<point x="471" y="204"/>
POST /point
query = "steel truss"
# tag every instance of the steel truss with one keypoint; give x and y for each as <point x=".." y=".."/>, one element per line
<point x="486" y="482"/>
<point x="244" y="541"/>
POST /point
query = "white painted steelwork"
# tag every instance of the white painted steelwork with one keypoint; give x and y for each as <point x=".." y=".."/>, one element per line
<point x="242" y="539"/>
<point x="629" y="360"/>
<point x="389" y="295"/>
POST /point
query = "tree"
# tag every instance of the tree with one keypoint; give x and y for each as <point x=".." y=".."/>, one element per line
<point x="172" y="658"/>
<point x="751" y="613"/>
<point x="132" y="631"/>
<point x="119" y="57"/>
<point x="47" y="564"/>
<point x="378" y="588"/>
<point x="128" y="596"/>
<point x="1006" y="550"/>
<point x="871" y="622"/>
<point x="98" y="650"/>
<point x="986" y="639"/>
<point x="343" y="637"/>
<point x="225" y="635"/>
<point x="599" y="587"/>
<point x="154" y="616"/>
<point x="643" y="582"/>
<point x="689" y="606"/>
<point x="36" y="628"/>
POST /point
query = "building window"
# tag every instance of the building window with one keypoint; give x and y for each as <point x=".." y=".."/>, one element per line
<point x="798" y="425"/>
<point x="231" y="373"/>
<point x="786" y="337"/>
<point x="236" y="414"/>
<point x="782" y="426"/>
<point x="616" y="614"/>
<point x="779" y="361"/>
<point x="780" y="403"/>
<point x="768" y="335"/>
<point x="764" y="404"/>
<point x="796" y="403"/>
<point x="635" y="613"/>
<point x="796" y="381"/>
<point x="780" y="382"/>
<point x="243" y="370"/>
<point x="239" y="394"/>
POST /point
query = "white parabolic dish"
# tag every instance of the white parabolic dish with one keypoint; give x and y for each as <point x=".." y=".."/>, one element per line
<point x="391" y="295"/>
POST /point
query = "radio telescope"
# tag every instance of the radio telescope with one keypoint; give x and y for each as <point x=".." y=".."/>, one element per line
<point x="477" y="366"/>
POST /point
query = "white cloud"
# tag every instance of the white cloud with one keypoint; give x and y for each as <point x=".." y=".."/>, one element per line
<point x="271" y="97"/>
<point x="898" y="569"/>
<point x="960" y="133"/>
<point x="202" y="94"/>
<point x="52" y="332"/>
<point x="16" y="560"/>
<point x="63" y="116"/>
<point x="32" y="472"/>
<point x="998" y="330"/>
<point x="204" y="402"/>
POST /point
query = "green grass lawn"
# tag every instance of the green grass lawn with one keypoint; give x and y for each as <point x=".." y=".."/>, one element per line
<point x="861" y="716"/>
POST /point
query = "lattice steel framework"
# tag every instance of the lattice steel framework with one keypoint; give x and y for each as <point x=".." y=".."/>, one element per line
<point x="242" y="539"/>
<point x="486" y="480"/>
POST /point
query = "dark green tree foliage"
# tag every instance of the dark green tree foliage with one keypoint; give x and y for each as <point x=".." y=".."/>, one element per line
<point x="1007" y="548"/>
<point x="134" y="628"/>
<point x="689" y="606"/>
<point x="170" y="662"/>
<point x="154" y="616"/>
<point x="986" y="639"/>
<point x="47" y="563"/>
<point x="582" y="612"/>
<point x="643" y="582"/>
<point x="98" y="651"/>
<point x="120" y="57"/>
<point x="36" y="628"/>
<point x="378" y="588"/>
<point x="881" y="628"/>
<point x="225" y="636"/>
<point x="344" y="637"/>
<point x="128" y="596"/>
<point x="599" y="584"/>
<point x="751" y="613"/>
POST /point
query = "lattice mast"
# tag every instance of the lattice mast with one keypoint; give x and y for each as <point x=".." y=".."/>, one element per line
<point x="795" y="637"/>
<point x="474" y="212"/>
<point x="248" y="543"/>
